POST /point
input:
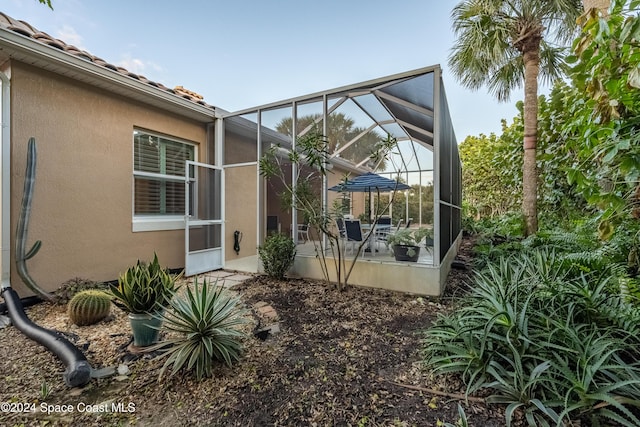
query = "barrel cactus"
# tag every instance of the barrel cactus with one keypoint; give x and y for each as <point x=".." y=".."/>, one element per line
<point x="89" y="307"/>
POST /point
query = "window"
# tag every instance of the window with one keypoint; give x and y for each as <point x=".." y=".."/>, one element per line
<point x="158" y="172"/>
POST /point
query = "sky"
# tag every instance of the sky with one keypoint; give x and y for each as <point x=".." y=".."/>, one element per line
<point x="245" y="53"/>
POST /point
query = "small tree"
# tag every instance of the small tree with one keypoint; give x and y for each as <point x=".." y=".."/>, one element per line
<point x="312" y="160"/>
<point x="503" y="44"/>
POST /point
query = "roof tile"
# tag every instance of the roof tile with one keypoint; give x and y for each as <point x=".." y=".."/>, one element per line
<point x="25" y="29"/>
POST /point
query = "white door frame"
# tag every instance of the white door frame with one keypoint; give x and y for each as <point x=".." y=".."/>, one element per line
<point x="209" y="258"/>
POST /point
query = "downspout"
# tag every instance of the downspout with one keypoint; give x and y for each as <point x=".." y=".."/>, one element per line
<point x="78" y="370"/>
<point x="5" y="159"/>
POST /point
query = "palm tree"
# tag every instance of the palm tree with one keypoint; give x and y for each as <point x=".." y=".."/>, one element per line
<point x="503" y="43"/>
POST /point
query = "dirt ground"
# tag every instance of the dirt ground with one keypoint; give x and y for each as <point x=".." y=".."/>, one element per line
<point x="340" y="358"/>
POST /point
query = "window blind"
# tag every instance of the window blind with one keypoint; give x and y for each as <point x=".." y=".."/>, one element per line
<point x="161" y="193"/>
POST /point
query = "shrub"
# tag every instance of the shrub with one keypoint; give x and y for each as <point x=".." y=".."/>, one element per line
<point x="277" y="255"/>
<point x="552" y="344"/>
<point x="68" y="289"/>
<point x="204" y="324"/>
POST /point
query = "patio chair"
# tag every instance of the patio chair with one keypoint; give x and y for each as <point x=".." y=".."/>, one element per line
<point x="409" y="223"/>
<point x="303" y="231"/>
<point x="353" y="232"/>
<point x="383" y="235"/>
<point x="342" y="232"/>
<point x="383" y="229"/>
<point x="340" y="227"/>
<point x="384" y="220"/>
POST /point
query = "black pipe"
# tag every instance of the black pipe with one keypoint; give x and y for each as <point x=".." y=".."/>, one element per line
<point x="78" y="370"/>
<point x="26" y="302"/>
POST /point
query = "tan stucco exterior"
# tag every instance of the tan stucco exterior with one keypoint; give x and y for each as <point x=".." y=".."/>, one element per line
<point x="241" y="194"/>
<point x="82" y="206"/>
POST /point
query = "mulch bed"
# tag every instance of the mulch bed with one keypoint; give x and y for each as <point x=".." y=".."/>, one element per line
<point x="340" y="358"/>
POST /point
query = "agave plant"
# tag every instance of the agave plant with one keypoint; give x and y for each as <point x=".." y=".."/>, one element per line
<point x="204" y="325"/>
<point x="144" y="287"/>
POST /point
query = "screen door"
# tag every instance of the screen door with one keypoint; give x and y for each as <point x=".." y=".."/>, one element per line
<point x="204" y="221"/>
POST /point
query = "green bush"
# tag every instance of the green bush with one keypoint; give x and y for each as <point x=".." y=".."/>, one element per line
<point x="554" y="345"/>
<point x="277" y="255"/>
<point x="203" y="329"/>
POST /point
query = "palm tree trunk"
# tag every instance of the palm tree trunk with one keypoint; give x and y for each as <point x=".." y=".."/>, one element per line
<point x="529" y="170"/>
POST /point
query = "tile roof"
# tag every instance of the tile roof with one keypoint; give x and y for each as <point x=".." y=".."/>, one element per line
<point x="25" y="29"/>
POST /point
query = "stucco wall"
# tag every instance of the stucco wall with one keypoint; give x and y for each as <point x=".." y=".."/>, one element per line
<point x="82" y="206"/>
<point x="241" y="209"/>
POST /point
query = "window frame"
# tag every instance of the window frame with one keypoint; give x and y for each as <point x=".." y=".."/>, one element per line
<point x="156" y="222"/>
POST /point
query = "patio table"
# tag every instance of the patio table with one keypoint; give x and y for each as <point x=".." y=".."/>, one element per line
<point x="378" y="230"/>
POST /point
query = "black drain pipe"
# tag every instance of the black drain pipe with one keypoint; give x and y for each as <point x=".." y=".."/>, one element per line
<point x="78" y="372"/>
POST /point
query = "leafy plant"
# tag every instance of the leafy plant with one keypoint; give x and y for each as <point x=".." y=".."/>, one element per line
<point x="552" y="344"/>
<point x="277" y="255"/>
<point x="602" y="134"/>
<point x="45" y="390"/>
<point x="408" y="236"/>
<point x="144" y="287"/>
<point x="302" y="193"/>
<point x="204" y="323"/>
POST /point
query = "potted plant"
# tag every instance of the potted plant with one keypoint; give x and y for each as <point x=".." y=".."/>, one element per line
<point x="143" y="291"/>
<point x="405" y="243"/>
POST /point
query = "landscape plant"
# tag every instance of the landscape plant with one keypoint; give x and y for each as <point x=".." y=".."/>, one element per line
<point x="408" y="237"/>
<point x="505" y="44"/>
<point x="551" y="344"/>
<point x="203" y="327"/>
<point x="311" y="159"/>
<point x="89" y="307"/>
<point x="21" y="252"/>
<point x="277" y="255"/>
<point x="144" y="287"/>
<point x="602" y="135"/>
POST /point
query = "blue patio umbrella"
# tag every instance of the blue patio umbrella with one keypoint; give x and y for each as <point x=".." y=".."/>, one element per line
<point x="368" y="182"/>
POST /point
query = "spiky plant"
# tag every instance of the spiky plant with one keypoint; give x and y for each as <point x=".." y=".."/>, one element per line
<point x="555" y="347"/>
<point x="144" y="287"/>
<point x="204" y="328"/>
<point x="89" y="307"/>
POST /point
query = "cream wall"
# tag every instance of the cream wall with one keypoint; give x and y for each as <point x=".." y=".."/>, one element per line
<point x="241" y="210"/>
<point x="82" y="205"/>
